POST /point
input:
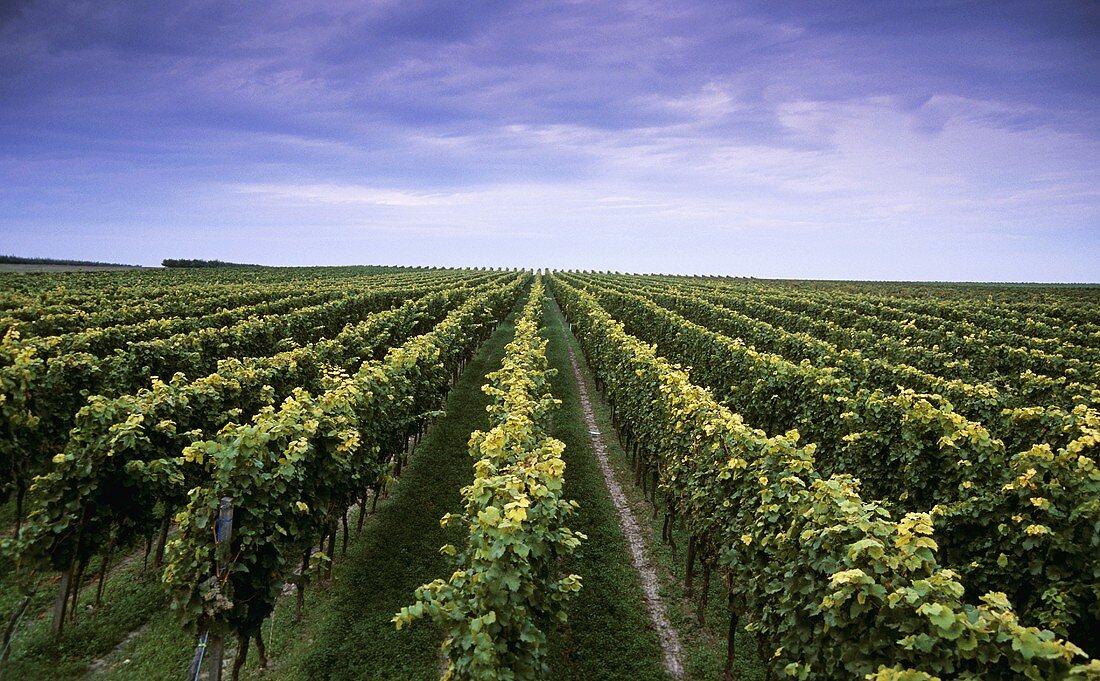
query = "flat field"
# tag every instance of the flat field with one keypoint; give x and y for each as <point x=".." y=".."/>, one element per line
<point x="834" y="480"/>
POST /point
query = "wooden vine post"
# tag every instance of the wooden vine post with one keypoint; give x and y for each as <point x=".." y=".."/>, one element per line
<point x="215" y="642"/>
<point x="224" y="537"/>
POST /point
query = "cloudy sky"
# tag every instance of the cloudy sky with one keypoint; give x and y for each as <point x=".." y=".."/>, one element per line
<point x="874" y="140"/>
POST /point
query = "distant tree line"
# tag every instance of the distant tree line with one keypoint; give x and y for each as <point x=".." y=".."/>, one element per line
<point x="183" y="262"/>
<point x="17" y="260"/>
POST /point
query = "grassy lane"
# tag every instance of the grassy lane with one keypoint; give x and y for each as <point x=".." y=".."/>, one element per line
<point x="347" y="633"/>
<point x="608" y="635"/>
<point x="704" y="647"/>
<point x="132" y="595"/>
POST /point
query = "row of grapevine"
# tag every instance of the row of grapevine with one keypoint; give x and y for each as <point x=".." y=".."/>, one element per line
<point x="92" y="291"/>
<point x="140" y="318"/>
<point x="1042" y="312"/>
<point x="915" y="453"/>
<point x="105" y="340"/>
<point x="1035" y="326"/>
<point x="831" y="585"/>
<point x="966" y="329"/>
<point x="110" y="474"/>
<point x="42" y="394"/>
<point x="116" y="475"/>
<point x="857" y="431"/>
<point x="817" y="324"/>
<point x="1007" y="411"/>
<point x="505" y="590"/>
<point x="34" y="318"/>
<point x="989" y="349"/>
<point x="293" y="470"/>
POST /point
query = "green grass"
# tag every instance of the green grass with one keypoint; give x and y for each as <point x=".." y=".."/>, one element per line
<point x="7" y="517"/>
<point x="131" y="597"/>
<point x="608" y="635"/>
<point x="162" y="650"/>
<point x="704" y="647"/>
<point x="347" y="632"/>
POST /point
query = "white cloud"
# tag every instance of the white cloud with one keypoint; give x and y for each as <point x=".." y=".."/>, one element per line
<point x="345" y="194"/>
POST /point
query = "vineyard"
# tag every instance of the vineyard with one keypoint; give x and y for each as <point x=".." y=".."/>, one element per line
<point x="383" y="472"/>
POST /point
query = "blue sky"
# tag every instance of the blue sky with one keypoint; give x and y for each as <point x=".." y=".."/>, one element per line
<point x="873" y="140"/>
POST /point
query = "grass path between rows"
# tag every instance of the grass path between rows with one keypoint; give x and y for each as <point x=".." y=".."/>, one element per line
<point x="347" y="633"/>
<point x="131" y="597"/>
<point x="704" y="647"/>
<point x="608" y="636"/>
